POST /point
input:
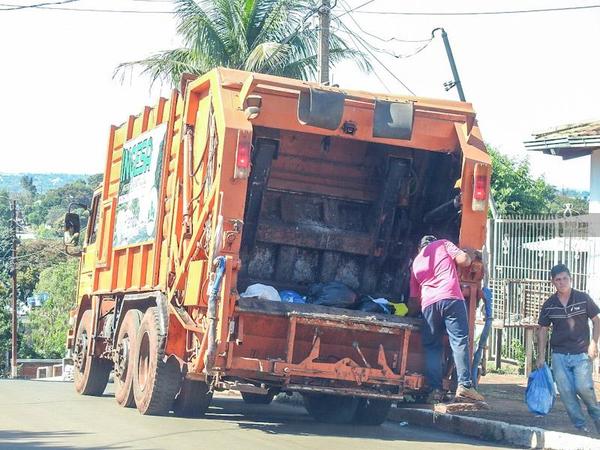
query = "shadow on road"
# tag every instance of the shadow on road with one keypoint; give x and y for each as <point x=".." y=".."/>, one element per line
<point x="10" y="439"/>
<point x="279" y="419"/>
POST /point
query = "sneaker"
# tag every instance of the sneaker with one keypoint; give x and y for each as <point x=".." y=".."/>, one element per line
<point x="468" y="393"/>
<point x="436" y="396"/>
<point x="583" y="429"/>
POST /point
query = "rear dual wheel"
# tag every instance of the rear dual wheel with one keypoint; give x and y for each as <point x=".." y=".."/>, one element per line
<point x="90" y="374"/>
<point x="156" y="380"/>
<point x="124" y="361"/>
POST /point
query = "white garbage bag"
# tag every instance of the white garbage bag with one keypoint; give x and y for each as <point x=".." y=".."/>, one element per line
<point x="263" y="292"/>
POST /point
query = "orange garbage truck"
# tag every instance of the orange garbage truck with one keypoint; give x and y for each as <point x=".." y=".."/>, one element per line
<point x="240" y="186"/>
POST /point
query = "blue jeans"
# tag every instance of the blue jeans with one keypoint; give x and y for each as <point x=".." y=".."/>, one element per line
<point x="450" y="316"/>
<point x="573" y="376"/>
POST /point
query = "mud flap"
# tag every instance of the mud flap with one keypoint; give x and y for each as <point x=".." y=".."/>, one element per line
<point x="393" y="120"/>
<point x="320" y="108"/>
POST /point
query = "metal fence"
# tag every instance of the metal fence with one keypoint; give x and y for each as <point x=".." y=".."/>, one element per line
<point x="522" y="250"/>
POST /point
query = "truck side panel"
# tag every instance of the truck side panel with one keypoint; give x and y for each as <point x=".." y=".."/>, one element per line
<point x="138" y="267"/>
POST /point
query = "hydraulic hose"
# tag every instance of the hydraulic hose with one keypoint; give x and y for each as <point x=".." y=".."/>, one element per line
<point x="211" y="314"/>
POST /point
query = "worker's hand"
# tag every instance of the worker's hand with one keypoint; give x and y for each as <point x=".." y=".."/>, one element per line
<point x="593" y="350"/>
<point x="414" y="307"/>
<point x="539" y="363"/>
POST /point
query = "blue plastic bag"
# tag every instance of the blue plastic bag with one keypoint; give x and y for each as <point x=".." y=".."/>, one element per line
<point x="540" y="394"/>
<point x="291" y="297"/>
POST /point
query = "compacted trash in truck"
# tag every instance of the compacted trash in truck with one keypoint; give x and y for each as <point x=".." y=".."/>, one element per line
<point x="242" y="178"/>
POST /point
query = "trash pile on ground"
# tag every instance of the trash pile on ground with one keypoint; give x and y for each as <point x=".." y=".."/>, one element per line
<point x="334" y="294"/>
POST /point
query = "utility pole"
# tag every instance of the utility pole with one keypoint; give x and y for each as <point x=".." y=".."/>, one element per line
<point x="13" y="366"/>
<point x="323" y="55"/>
<point x="456" y="82"/>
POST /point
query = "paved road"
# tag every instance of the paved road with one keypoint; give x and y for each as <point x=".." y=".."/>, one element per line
<point x="38" y="414"/>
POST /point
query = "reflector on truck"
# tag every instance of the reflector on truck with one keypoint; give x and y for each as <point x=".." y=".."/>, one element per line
<point x="393" y="120"/>
<point x="319" y="108"/>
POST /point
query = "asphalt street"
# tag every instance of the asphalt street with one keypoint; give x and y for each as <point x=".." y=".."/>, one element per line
<point x="50" y="415"/>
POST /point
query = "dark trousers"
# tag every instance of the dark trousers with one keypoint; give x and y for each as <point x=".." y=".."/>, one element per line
<point x="451" y="316"/>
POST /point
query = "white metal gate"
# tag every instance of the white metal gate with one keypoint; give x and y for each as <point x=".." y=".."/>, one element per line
<point x="522" y="250"/>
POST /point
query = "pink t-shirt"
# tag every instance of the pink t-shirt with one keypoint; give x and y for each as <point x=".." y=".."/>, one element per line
<point x="434" y="275"/>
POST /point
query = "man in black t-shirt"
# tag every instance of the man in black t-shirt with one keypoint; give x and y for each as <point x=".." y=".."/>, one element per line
<point x="568" y="311"/>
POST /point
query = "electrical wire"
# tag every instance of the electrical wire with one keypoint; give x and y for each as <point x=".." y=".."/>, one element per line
<point x="393" y="38"/>
<point x="481" y="13"/>
<point x="380" y="62"/>
<point x="366" y="46"/>
<point x="36" y="5"/>
<point x="353" y="9"/>
<point x="352" y="37"/>
<point x="63" y="8"/>
<point x="388" y="52"/>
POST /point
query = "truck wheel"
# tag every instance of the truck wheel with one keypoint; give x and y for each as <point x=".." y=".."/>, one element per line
<point x="90" y="374"/>
<point x="258" y="399"/>
<point x="193" y="399"/>
<point x="330" y="408"/>
<point x="123" y="365"/>
<point x="372" y="411"/>
<point x="155" y="381"/>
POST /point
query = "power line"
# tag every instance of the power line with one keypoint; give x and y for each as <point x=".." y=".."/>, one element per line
<point x="388" y="52"/>
<point x="353" y="9"/>
<point x="60" y="8"/>
<point x="36" y="5"/>
<point x="362" y="44"/>
<point x="480" y="13"/>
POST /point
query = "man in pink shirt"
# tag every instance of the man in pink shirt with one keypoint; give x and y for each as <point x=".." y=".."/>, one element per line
<point x="435" y="282"/>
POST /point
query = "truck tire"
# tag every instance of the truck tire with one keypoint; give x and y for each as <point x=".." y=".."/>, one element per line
<point x="193" y="399"/>
<point x="331" y="408"/>
<point x="258" y="399"/>
<point x="90" y="374"/>
<point x="123" y="366"/>
<point x="155" y="381"/>
<point x="372" y="411"/>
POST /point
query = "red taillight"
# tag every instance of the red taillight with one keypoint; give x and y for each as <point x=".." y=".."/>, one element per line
<point x="481" y="183"/>
<point x="243" y="154"/>
<point x="480" y="191"/>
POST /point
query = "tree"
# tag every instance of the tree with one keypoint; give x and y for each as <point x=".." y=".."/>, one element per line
<point x="28" y="186"/>
<point x="48" y="324"/>
<point x="515" y="190"/>
<point x="268" y="36"/>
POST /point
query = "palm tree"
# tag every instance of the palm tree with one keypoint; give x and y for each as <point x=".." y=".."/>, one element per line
<point x="268" y="36"/>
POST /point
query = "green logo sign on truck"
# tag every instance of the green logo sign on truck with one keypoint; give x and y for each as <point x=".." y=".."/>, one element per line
<point x="139" y="185"/>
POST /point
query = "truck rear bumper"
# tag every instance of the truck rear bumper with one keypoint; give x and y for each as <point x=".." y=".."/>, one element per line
<point x="316" y="348"/>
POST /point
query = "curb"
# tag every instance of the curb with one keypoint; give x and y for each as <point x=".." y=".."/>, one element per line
<point x="492" y="430"/>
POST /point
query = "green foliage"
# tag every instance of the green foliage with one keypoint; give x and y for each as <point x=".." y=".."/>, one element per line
<point x="516" y="191"/>
<point x="48" y="325"/>
<point x="268" y="36"/>
<point x="43" y="182"/>
<point x="49" y="209"/>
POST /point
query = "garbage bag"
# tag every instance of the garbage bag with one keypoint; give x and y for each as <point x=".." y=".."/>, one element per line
<point x="291" y="297"/>
<point x="540" y="394"/>
<point x="332" y="293"/>
<point x="368" y="304"/>
<point x="401" y="309"/>
<point x="263" y="292"/>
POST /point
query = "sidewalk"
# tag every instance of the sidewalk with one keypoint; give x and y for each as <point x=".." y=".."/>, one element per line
<point x="508" y="420"/>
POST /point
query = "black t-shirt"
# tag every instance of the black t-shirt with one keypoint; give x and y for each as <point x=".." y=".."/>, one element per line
<point x="570" y="328"/>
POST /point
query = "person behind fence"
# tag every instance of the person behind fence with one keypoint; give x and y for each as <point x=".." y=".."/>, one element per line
<point x="435" y="284"/>
<point x="568" y="311"/>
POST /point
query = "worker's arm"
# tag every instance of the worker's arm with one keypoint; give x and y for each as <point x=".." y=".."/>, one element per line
<point x="414" y="300"/>
<point x="541" y="346"/>
<point x="593" y="347"/>
<point x="463" y="259"/>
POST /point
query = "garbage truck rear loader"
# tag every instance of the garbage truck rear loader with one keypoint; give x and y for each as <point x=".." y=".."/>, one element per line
<point x="243" y="178"/>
